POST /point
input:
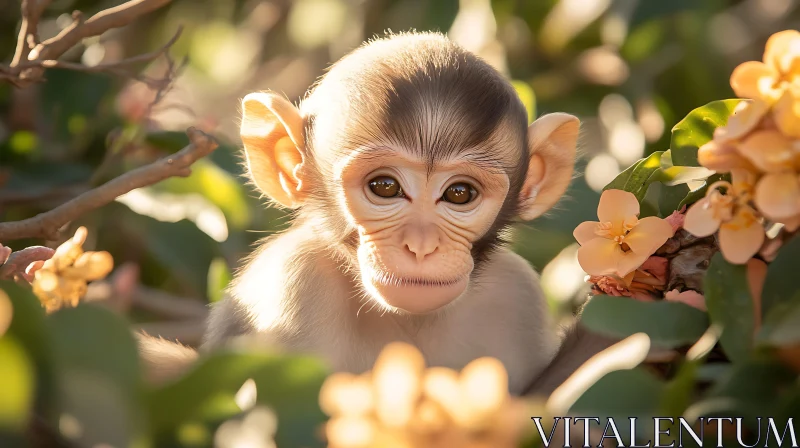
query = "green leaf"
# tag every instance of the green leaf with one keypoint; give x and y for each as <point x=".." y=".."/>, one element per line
<point x="697" y="129"/>
<point x="181" y="246"/>
<point x="98" y="374"/>
<point x="695" y="195"/>
<point x="170" y="141"/>
<point x="780" y="284"/>
<point x="730" y="306"/>
<point x="753" y="388"/>
<point x="216" y="185"/>
<point x="646" y="11"/>
<point x="287" y="384"/>
<point x="527" y="96"/>
<point x="29" y="330"/>
<point x="782" y="325"/>
<point x="679" y="391"/>
<point x="672" y="175"/>
<point x="668" y="324"/>
<point x="638" y="176"/>
<point x="18" y="380"/>
<point x="671" y="198"/>
<point x="620" y="395"/>
<point x="219" y="275"/>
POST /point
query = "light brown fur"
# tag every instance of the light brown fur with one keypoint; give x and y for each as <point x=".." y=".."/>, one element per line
<point x="311" y="290"/>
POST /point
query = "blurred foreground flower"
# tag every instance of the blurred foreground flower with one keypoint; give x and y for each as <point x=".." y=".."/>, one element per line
<point x="403" y="404"/>
<point x="760" y="147"/>
<point x="620" y="242"/>
<point x="62" y="280"/>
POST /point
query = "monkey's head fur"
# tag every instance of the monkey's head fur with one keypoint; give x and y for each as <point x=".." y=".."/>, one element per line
<point x="413" y="155"/>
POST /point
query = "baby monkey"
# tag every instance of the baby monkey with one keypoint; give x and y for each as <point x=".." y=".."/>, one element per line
<point x="404" y="165"/>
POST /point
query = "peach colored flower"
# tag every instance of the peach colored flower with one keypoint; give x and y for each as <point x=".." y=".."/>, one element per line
<point x="645" y="283"/>
<point x="745" y="117"/>
<point x="777" y="196"/>
<point x="689" y="297"/>
<point x="770" y="151"/>
<point x="741" y="233"/>
<point x="620" y="242"/>
<point x="780" y="67"/>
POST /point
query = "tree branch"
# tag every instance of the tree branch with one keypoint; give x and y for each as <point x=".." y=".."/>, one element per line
<point x="47" y="225"/>
<point x="31" y="59"/>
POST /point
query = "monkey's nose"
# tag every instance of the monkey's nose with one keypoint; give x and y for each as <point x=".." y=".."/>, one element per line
<point x="421" y="242"/>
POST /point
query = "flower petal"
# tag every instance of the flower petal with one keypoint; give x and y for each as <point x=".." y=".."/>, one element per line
<point x="769" y="150"/>
<point x="778" y="196"/>
<point x="779" y="45"/>
<point x="648" y="235"/>
<point x="599" y="256"/>
<point x="585" y="232"/>
<point x="617" y="205"/>
<point x="720" y="156"/>
<point x="746" y="78"/>
<point x="787" y="112"/>
<point x="744" y="119"/>
<point x="629" y="262"/>
<point x="700" y="220"/>
<point x="741" y="237"/>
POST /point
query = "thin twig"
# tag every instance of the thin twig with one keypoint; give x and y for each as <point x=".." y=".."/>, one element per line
<point x="32" y="58"/>
<point x="47" y="225"/>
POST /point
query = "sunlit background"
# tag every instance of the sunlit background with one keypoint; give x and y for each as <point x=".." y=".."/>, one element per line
<point x="628" y="68"/>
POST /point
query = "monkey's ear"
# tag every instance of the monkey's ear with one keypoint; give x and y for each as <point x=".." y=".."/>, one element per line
<point x="552" y="141"/>
<point x="272" y="133"/>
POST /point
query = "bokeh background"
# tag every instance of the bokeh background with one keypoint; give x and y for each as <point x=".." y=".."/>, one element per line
<point x="630" y="69"/>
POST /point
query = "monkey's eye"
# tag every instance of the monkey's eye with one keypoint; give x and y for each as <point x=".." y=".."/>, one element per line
<point x="386" y="187"/>
<point x="460" y="193"/>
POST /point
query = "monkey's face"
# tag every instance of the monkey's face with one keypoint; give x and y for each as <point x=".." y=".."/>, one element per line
<point x="417" y="222"/>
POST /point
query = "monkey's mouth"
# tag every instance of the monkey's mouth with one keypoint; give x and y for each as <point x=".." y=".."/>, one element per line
<point x="412" y="294"/>
<point x="386" y="279"/>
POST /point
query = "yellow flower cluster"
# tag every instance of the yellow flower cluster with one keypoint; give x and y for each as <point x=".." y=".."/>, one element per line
<point x="760" y="147"/>
<point x="403" y="404"/>
<point x="62" y="280"/>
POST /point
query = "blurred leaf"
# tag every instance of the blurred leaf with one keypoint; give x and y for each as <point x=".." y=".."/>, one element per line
<point x="730" y="306"/>
<point x="181" y="246"/>
<point x="18" y="379"/>
<point x="649" y="10"/>
<point x="70" y="94"/>
<point x="638" y="176"/>
<point x="620" y="395"/>
<point x="287" y="384"/>
<point x="697" y="129"/>
<point x="782" y="325"/>
<point x="29" y="330"/>
<point x="170" y="141"/>
<point x="679" y="391"/>
<point x="216" y="185"/>
<point x="668" y="324"/>
<point x="753" y="387"/>
<point x="527" y="96"/>
<point x="219" y="275"/>
<point x="98" y="373"/>
<point x="643" y="41"/>
<point x="780" y="284"/>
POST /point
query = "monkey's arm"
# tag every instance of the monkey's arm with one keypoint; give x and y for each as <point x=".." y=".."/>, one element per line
<point x="578" y="346"/>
